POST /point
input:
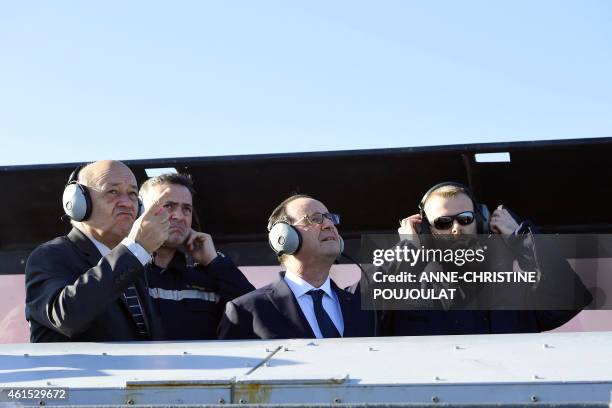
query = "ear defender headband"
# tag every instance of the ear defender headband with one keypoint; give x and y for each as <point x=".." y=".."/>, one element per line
<point x="76" y="199"/>
<point x="285" y="239"/>
<point x="481" y="212"/>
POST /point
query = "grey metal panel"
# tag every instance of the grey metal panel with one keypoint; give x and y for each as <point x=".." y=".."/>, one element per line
<point x="550" y="368"/>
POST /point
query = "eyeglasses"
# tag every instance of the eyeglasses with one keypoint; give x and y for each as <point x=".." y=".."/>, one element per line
<point x="317" y="218"/>
<point x="446" y="221"/>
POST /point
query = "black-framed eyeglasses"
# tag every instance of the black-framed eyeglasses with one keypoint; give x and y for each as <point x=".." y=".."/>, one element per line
<point x="317" y="218"/>
<point x="446" y="221"/>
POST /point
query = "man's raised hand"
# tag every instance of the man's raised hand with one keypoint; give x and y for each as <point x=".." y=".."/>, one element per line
<point x="201" y="247"/>
<point x="150" y="230"/>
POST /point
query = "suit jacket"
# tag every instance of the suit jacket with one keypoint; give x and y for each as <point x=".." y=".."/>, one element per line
<point x="75" y="294"/>
<point x="272" y="312"/>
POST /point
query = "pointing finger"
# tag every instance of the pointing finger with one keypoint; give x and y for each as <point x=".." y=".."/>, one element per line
<point x="159" y="201"/>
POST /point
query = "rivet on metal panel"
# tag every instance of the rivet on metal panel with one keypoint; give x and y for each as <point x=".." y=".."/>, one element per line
<point x="130" y="401"/>
<point x="269" y="350"/>
<point x="337" y="400"/>
<point x="49" y="383"/>
<point x="435" y="399"/>
<point x="459" y="348"/>
<point x="41" y="402"/>
<point x="437" y="378"/>
<point x="312" y="343"/>
<point x="22" y="261"/>
<point x="26" y="355"/>
<point x="537" y="377"/>
<point x="267" y="364"/>
<point x="186" y="352"/>
<point x="547" y="346"/>
<point x="534" y="398"/>
<point x="221" y="401"/>
<point x="372" y="349"/>
<point x="242" y="401"/>
<point x="247" y="364"/>
<point x="287" y="349"/>
<point x="104" y="354"/>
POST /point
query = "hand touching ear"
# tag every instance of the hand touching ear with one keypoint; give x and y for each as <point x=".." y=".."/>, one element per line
<point x="201" y="247"/>
<point x="502" y="222"/>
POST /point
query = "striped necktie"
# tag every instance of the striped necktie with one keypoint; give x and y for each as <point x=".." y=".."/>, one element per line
<point x="131" y="296"/>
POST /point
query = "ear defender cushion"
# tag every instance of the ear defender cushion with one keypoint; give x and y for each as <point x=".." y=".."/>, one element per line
<point x="76" y="202"/>
<point x="341" y="243"/>
<point x="483" y="216"/>
<point x="284" y="239"/>
<point x="140" y="207"/>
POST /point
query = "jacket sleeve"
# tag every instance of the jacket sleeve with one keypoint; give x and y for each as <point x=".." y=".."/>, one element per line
<point x="55" y="299"/>
<point x="230" y="280"/>
<point x="236" y="324"/>
<point x="559" y="289"/>
<point x="559" y="286"/>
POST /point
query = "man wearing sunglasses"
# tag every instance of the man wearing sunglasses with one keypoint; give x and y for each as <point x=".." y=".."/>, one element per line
<point x="450" y="208"/>
<point x="304" y="302"/>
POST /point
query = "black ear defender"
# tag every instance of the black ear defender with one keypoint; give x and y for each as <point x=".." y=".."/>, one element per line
<point x="481" y="211"/>
<point x="140" y="207"/>
<point x="285" y="239"/>
<point x="76" y="199"/>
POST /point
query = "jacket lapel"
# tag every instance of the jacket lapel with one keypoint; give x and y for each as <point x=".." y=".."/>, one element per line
<point x="285" y="302"/>
<point x="87" y="248"/>
<point x="346" y="306"/>
<point x="93" y="256"/>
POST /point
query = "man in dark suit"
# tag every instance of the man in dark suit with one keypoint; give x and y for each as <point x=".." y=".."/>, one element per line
<point x="304" y="302"/>
<point x="88" y="285"/>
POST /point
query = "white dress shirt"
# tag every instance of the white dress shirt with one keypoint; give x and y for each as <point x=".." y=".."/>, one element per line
<point x="300" y="289"/>
<point x="135" y="248"/>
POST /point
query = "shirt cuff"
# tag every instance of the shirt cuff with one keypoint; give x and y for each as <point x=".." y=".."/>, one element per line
<point x="135" y="248"/>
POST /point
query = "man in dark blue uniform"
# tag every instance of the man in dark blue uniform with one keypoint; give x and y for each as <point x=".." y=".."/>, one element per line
<point x="189" y="281"/>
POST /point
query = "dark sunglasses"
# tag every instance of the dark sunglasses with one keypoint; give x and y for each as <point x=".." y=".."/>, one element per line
<point x="446" y="221"/>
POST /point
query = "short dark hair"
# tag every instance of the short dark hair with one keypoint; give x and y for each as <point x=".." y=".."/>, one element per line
<point x="279" y="214"/>
<point x="181" y="179"/>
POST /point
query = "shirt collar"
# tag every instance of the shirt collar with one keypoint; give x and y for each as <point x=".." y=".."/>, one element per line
<point x="178" y="263"/>
<point x="300" y="287"/>
<point x="103" y="249"/>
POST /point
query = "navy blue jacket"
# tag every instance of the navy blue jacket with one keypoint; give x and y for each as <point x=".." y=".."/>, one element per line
<point x="75" y="294"/>
<point x="272" y="312"/>
<point x="191" y="299"/>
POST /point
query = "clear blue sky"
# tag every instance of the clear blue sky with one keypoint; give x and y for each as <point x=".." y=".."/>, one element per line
<point x="143" y="79"/>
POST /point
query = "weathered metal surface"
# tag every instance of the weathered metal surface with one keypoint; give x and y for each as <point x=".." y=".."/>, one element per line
<point x="552" y="368"/>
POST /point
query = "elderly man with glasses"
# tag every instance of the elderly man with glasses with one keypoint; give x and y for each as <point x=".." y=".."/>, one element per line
<point x="304" y="302"/>
<point x="450" y="209"/>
